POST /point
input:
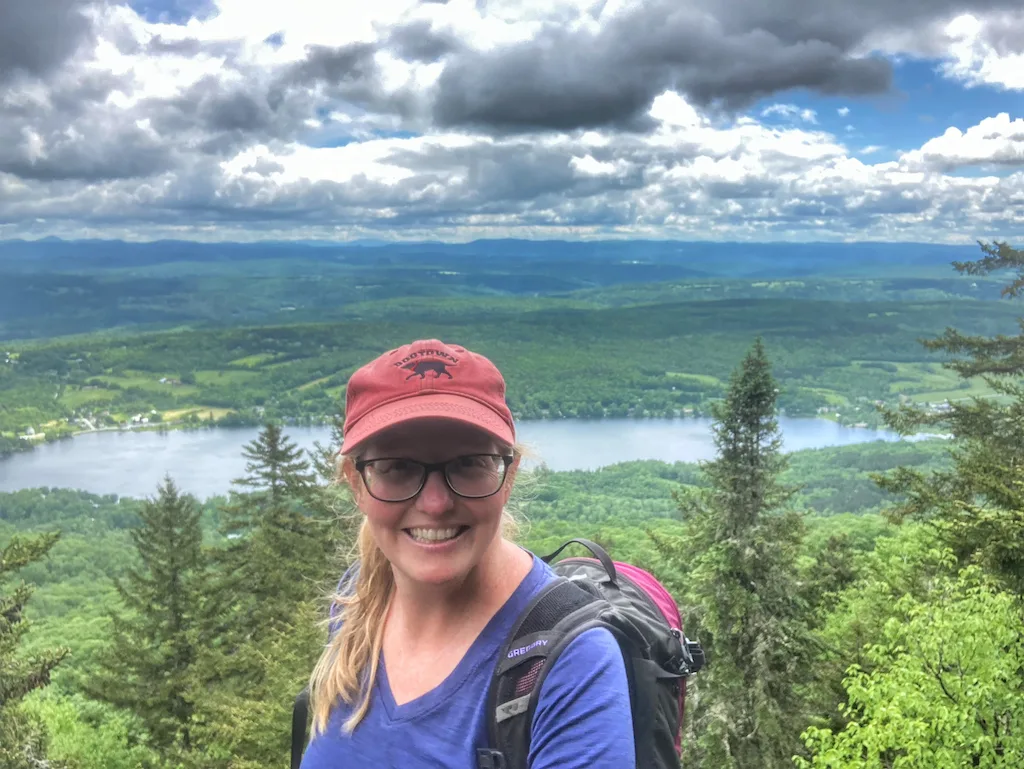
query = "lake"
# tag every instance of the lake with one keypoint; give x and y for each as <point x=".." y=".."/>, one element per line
<point x="203" y="462"/>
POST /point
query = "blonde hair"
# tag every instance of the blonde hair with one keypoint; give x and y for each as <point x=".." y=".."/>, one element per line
<point x="347" y="668"/>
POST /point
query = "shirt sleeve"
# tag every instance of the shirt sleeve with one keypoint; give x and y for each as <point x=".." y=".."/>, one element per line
<point x="583" y="718"/>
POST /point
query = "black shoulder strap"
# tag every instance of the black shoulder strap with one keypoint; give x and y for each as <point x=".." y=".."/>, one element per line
<point x="552" y="619"/>
<point x="300" y="717"/>
<point x="599" y="552"/>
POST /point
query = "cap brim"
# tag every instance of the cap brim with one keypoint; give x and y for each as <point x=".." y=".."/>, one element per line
<point x="427" y="406"/>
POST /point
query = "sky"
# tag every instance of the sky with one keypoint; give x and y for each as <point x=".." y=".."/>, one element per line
<point x="731" y="120"/>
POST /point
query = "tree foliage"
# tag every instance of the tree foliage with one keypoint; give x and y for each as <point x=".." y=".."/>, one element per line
<point x="739" y="549"/>
<point x="156" y="637"/>
<point x="978" y="502"/>
<point x="945" y="686"/>
<point x="22" y="739"/>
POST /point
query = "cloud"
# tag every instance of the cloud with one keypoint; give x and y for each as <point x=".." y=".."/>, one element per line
<point x="790" y="111"/>
<point x="419" y="41"/>
<point x="977" y="43"/>
<point x="689" y="177"/>
<point x="987" y="52"/>
<point x="37" y="36"/>
<point x="604" y="65"/>
<point x="466" y="118"/>
<point x="995" y="141"/>
<point x="607" y="74"/>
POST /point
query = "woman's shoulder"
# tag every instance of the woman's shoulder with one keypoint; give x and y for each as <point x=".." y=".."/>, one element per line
<point x="593" y="657"/>
<point x="583" y="716"/>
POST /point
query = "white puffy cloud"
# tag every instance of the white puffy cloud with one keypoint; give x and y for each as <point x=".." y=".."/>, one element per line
<point x="995" y="141"/>
<point x="987" y="51"/>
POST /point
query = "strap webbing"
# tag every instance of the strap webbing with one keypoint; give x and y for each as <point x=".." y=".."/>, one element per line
<point x="300" y="716"/>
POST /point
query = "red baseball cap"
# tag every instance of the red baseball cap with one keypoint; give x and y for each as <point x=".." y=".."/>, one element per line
<point x="426" y="379"/>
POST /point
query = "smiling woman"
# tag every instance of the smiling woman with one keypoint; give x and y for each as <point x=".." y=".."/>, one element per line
<point x="430" y="455"/>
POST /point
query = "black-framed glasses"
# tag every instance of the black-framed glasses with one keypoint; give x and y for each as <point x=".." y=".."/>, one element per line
<point x="397" y="479"/>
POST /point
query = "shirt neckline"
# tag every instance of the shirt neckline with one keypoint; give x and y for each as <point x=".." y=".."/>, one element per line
<point x="479" y="653"/>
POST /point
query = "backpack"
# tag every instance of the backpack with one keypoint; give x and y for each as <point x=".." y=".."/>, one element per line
<point x="587" y="593"/>
<point x="640" y="612"/>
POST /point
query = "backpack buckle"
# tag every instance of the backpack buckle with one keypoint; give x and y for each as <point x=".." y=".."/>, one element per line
<point x="490" y="759"/>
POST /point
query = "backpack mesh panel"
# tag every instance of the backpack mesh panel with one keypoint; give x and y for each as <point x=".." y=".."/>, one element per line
<point x="526" y="682"/>
<point x="559" y="602"/>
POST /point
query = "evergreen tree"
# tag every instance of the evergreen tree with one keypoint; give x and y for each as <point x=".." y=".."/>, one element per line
<point x="22" y="740"/>
<point x="977" y="505"/>
<point x="275" y="467"/>
<point x="331" y="501"/>
<point x="277" y="552"/>
<point x="155" y="643"/>
<point x="739" y="549"/>
<point x="272" y="573"/>
<point x="324" y="458"/>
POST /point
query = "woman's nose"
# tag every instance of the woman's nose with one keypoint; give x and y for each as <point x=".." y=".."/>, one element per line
<point x="435" y="497"/>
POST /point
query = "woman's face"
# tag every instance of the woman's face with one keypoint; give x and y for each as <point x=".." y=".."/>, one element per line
<point x="437" y="536"/>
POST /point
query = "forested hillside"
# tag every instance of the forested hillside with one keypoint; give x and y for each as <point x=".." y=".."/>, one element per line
<point x="644" y="360"/>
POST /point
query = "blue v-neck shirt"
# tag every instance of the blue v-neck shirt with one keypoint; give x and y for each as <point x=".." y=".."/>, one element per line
<point x="582" y="719"/>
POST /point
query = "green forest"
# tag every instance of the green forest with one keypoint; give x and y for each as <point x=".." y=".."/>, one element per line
<point x="861" y="606"/>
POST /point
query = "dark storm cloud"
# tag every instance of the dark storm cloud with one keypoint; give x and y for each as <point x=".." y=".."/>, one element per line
<point x="73" y="135"/>
<point x="725" y="53"/>
<point x="419" y="41"/>
<point x="346" y="64"/>
<point x="37" y="36"/>
<point x="95" y="147"/>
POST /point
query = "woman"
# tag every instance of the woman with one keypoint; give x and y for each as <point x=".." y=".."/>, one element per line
<point x="430" y="455"/>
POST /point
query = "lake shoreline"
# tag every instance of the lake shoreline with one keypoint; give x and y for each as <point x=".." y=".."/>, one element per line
<point x="39" y="439"/>
<point x="203" y="458"/>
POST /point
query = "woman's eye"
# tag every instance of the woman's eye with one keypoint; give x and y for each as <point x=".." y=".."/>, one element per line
<point x="392" y="466"/>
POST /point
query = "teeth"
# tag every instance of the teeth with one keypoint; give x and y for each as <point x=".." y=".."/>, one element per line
<point x="434" y="535"/>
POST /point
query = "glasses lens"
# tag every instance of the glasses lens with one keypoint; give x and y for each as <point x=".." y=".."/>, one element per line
<point x="478" y="475"/>
<point x="392" y="479"/>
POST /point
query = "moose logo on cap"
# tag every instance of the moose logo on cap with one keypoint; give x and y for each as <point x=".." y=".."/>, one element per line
<point x="420" y="368"/>
<point x="428" y="363"/>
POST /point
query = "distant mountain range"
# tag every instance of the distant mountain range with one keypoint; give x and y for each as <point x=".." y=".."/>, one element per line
<point x="656" y="258"/>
